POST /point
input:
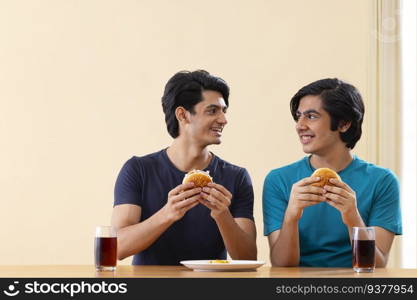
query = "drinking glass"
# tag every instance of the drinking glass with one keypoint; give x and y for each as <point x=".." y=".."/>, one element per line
<point x="105" y="248"/>
<point x="363" y="249"/>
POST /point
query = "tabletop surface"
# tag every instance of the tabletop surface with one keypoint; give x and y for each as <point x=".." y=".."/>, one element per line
<point x="124" y="271"/>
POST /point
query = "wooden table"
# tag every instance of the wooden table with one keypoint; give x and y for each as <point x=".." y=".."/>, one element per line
<point x="84" y="271"/>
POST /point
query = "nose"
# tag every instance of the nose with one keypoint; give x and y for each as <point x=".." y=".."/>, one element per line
<point x="301" y="123"/>
<point x="222" y="119"/>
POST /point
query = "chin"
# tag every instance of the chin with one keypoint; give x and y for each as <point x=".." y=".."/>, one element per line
<point x="216" y="142"/>
<point x="308" y="150"/>
<point x="212" y="142"/>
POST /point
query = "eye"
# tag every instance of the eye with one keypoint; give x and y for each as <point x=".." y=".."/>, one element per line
<point x="211" y="111"/>
<point x="312" y="116"/>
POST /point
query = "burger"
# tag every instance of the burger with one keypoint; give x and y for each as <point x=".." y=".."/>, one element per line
<point x="198" y="177"/>
<point x="325" y="175"/>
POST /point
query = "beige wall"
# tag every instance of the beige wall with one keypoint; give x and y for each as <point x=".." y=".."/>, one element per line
<point x="80" y="88"/>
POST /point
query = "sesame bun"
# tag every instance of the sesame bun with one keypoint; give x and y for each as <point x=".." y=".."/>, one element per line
<point x="200" y="178"/>
<point x="325" y="174"/>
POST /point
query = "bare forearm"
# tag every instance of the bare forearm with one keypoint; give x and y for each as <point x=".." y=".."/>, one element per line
<point x="286" y="250"/>
<point x="239" y="244"/>
<point x="138" y="237"/>
<point x="380" y="259"/>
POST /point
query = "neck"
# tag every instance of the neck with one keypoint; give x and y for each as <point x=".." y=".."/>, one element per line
<point x="337" y="160"/>
<point x="187" y="156"/>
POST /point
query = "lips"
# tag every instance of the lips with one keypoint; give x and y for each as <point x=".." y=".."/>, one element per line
<point x="217" y="131"/>
<point x="306" y="138"/>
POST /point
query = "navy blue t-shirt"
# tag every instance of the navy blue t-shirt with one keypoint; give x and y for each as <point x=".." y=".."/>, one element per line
<point x="146" y="181"/>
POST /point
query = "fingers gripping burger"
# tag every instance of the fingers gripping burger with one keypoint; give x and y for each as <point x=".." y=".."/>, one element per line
<point x="198" y="177"/>
<point x="325" y="175"/>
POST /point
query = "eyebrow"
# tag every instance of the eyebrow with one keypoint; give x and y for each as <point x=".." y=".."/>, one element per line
<point x="309" y="111"/>
<point x="215" y="106"/>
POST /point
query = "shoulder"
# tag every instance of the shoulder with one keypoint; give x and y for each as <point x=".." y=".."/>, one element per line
<point x="151" y="159"/>
<point x="377" y="173"/>
<point x="229" y="168"/>
<point x="137" y="166"/>
<point x="287" y="171"/>
<point x="282" y="178"/>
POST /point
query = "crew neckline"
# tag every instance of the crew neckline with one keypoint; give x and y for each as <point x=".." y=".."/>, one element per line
<point x="349" y="166"/>
<point x="210" y="165"/>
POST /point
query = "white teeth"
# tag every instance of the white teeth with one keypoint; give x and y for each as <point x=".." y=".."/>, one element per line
<point x="306" y="138"/>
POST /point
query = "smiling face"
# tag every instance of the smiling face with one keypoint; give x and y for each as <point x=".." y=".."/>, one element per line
<point x="205" y="126"/>
<point x="313" y="127"/>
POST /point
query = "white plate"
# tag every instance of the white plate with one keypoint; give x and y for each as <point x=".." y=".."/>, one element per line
<point x="233" y="265"/>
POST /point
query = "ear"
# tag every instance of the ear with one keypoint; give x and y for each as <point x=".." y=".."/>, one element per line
<point x="181" y="114"/>
<point x="344" y="126"/>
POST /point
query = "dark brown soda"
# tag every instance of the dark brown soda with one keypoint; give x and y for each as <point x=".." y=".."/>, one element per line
<point x="106" y="251"/>
<point x="365" y="254"/>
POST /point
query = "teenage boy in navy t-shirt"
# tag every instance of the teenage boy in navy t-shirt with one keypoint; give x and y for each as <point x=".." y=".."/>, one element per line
<point x="161" y="221"/>
<point x="312" y="226"/>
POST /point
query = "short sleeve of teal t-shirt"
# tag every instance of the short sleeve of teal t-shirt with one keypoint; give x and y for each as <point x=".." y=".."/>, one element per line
<point x="385" y="211"/>
<point x="274" y="202"/>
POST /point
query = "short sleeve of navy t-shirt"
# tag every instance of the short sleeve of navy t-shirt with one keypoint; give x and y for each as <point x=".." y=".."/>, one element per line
<point x="146" y="181"/>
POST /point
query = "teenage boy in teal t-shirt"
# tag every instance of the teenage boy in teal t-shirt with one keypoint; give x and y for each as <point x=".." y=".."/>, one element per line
<point x="311" y="226"/>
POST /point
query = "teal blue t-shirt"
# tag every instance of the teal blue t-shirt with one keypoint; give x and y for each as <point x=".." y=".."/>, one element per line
<point x="324" y="239"/>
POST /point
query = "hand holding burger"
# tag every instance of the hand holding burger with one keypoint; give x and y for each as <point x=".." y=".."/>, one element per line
<point x="214" y="196"/>
<point x="181" y="199"/>
<point x="339" y="195"/>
